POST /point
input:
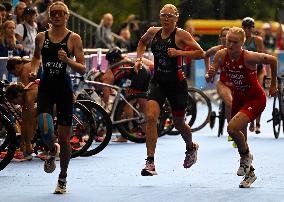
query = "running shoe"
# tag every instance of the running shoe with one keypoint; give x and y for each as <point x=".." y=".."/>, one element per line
<point x="20" y="156"/>
<point x="149" y="169"/>
<point x="43" y="156"/>
<point x="191" y="156"/>
<point x="3" y="155"/>
<point x="99" y="139"/>
<point x="245" y="164"/>
<point x="49" y="164"/>
<point x="248" y="180"/>
<point x="257" y="128"/>
<point x="61" y="186"/>
<point x="119" y="139"/>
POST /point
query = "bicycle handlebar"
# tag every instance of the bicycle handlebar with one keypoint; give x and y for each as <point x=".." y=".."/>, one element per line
<point x="82" y="79"/>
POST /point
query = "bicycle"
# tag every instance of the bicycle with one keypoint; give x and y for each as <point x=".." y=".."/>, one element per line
<point x="130" y="127"/>
<point x="221" y="118"/>
<point x="81" y="138"/>
<point x="278" y="106"/>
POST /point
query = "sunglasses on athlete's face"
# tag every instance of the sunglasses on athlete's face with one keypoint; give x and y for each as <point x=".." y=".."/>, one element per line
<point x="59" y="13"/>
<point x="247" y="27"/>
<point x="168" y="15"/>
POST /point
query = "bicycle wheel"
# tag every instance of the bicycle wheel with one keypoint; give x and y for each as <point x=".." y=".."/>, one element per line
<point x="203" y="108"/>
<point x="276" y="115"/>
<point x="103" y="127"/>
<point x="7" y="141"/>
<point x="83" y="129"/>
<point x="133" y="128"/>
<point x="222" y="118"/>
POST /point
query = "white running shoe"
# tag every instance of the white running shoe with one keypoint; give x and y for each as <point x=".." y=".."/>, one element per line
<point x="248" y="180"/>
<point x="149" y="169"/>
<point x="61" y="186"/>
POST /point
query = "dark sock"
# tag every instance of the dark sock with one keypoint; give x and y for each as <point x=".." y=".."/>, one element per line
<point x="151" y="159"/>
<point x="245" y="153"/>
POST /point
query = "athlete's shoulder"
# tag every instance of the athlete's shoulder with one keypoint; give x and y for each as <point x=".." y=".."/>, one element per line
<point x="40" y="35"/>
<point x="74" y="36"/>
<point x="153" y="30"/>
<point x="221" y="52"/>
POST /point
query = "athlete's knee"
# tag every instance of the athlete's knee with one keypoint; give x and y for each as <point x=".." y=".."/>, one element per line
<point x="45" y="121"/>
<point x="151" y="118"/>
<point x="232" y="129"/>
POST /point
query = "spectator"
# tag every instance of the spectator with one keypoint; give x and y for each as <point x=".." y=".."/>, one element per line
<point x="27" y="2"/>
<point x="8" y="7"/>
<point x="125" y="41"/>
<point x="134" y="26"/>
<point x="18" y="12"/>
<point x="27" y="31"/>
<point x="2" y="13"/>
<point x="103" y="37"/>
<point x="43" y="18"/>
<point x="268" y="39"/>
<point x="8" y="41"/>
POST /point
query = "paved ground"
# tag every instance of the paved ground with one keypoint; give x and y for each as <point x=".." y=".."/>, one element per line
<point x="114" y="174"/>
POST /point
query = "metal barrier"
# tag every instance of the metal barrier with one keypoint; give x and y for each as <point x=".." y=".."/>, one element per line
<point x="85" y="28"/>
<point x="99" y="62"/>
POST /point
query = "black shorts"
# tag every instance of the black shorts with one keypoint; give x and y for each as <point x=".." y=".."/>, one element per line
<point x="61" y="96"/>
<point x="176" y="94"/>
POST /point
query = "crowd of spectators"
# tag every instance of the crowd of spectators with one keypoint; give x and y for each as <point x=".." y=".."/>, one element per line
<point x="20" y="25"/>
<point x="31" y="17"/>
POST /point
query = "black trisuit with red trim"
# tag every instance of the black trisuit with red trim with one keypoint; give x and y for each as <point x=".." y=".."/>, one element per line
<point x="168" y="80"/>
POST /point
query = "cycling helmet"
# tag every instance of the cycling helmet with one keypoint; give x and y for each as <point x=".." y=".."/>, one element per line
<point x="248" y="22"/>
<point x="113" y="54"/>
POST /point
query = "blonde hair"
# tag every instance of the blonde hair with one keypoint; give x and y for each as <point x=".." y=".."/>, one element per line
<point x="238" y="31"/>
<point x="3" y="34"/>
<point x="172" y="7"/>
<point x="59" y="3"/>
<point x="223" y="29"/>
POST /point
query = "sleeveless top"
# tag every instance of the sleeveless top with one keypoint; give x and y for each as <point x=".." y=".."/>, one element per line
<point x="53" y="68"/>
<point x="240" y="79"/>
<point x="250" y="45"/>
<point x="166" y="69"/>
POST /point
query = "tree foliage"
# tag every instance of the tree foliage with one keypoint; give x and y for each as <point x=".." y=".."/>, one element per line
<point x="202" y="9"/>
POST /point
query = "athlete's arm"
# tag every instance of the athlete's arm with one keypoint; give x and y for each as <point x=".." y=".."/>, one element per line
<point x="37" y="54"/>
<point x="209" y="53"/>
<point x="253" y="58"/>
<point x="77" y="49"/>
<point x="259" y="44"/>
<point x="217" y="62"/>
<point x="185" y="41"/>
<point x="145" y="39"/>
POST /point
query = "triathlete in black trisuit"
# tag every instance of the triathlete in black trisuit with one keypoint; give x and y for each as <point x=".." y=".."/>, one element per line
<point x="55" y="46"/>
<point x="169" y="43"/>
